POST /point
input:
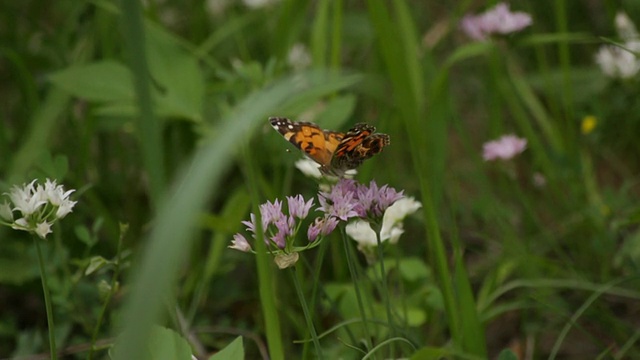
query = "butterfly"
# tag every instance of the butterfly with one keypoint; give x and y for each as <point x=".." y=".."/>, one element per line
<point x="336" y="152"/>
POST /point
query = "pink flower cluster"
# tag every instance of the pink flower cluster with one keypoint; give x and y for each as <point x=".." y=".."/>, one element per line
<point x="346" y="199"/>
<point x="504" y="148"/>
<point x="276" y="225"/>
<point x="349" y="199"/>
<point x="497" y="20"/>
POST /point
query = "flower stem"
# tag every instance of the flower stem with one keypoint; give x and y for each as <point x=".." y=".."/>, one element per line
<point x="307" y="315"/>
<point x="112" y="290"/>
<point x="47" y="301"/>
<point x="354" y="278"/>
<point x="385" y="283"/>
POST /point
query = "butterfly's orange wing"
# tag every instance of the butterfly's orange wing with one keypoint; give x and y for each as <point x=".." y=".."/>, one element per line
<point x="336" y="152"/>
<point x="317" y="144"/>
<point x="358" y="144"/>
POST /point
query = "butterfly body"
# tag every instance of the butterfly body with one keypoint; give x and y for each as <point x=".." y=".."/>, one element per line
<point x="334" y="151"/>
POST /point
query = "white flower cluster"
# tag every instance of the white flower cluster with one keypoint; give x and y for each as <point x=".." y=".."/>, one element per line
<point x="392" y="228"/>
<point x="39" y="206"/>
<point x="621" y="61"/>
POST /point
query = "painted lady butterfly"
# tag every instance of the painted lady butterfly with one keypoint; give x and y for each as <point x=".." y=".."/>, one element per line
<point x="336" y="152"/>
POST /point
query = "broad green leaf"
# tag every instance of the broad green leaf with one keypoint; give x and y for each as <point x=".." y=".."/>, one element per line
<point x="166" y="344"/>
<point x="104" y="81"/>
<point x="233" y="351"/>
<point x="95" y="264"/>
<point x="469" y="51"/>
<point x="413" y="269"/>
<point x="176" y="75"/>
<point x="415" y="316"/>
<point x="83" y="234"/>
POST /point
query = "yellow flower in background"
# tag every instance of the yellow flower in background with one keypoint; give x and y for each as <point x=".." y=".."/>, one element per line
<point x="589" y="123"/>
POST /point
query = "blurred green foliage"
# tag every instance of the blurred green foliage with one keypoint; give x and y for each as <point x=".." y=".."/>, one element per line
<point x="540" y="253"/>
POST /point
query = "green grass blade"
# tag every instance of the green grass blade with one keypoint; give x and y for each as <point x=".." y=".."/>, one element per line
<point x="471" y="328"/>
<point x="177" y="218"/>
<point x="149" y="128"/>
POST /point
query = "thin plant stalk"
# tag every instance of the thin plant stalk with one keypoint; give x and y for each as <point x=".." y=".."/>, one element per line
<point x="47" y="301"/>
<point x="112" y="290"/>
<point x="265" y="276"/>
<point x="385" y="283"/>
<point x="354" y="278"/>
<point x="316" y="280"/>
<point x="307" y="315"/>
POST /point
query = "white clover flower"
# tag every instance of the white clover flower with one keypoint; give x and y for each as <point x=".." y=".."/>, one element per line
<point x="42" y="229"/>
<point x="625" y="27"/>
<point x="64" y="209"/>
<point x="26" y="199"/>
<point x="621" y="61"/>
<point x="39" y="207"/>
<point x="309" y="167"/>
<point x="56" y="194"/>
<point x="392" y="226"/>
<point x="20" y="224"/>
<point x="617" y="63"/>
<point x="392" y="219"/>
<point x="362" y="233"/>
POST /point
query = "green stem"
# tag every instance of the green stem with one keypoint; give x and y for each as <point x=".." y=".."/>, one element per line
<point x="354" y="278"/>
<point x="385" y="283"/>
<point x="316" y="280"/>
<point x="112" y="290"/>
<point x="307" y="315"/>
<point x="47" y="302"/>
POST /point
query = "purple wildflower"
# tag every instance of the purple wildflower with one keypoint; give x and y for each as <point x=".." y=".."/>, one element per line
<point x="279" y="239"/>
<point x="297" y="207"/>
<point x="322" y="226"/>
<point x="497" y="20"/>
<point x="366" y="198"/>
<point x="342" y="207"/>
<point x="374" y="200"/>
<point x="315" y="229"/>
<point x="271" y="212"/>
<point x="286" y="225"/>
<point x="387" y="196"/>
<point x="504" y="148"/>
<point x="251" y="224"/>
<point x="348" y="199"/>
<point x="330" y="224"/>
<point x="278" y="228"/>
<point x="239" y="242"/>
<point x="339" y="201"/>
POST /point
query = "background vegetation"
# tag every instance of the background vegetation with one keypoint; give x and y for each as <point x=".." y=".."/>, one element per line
<point x="157" y="115"/>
